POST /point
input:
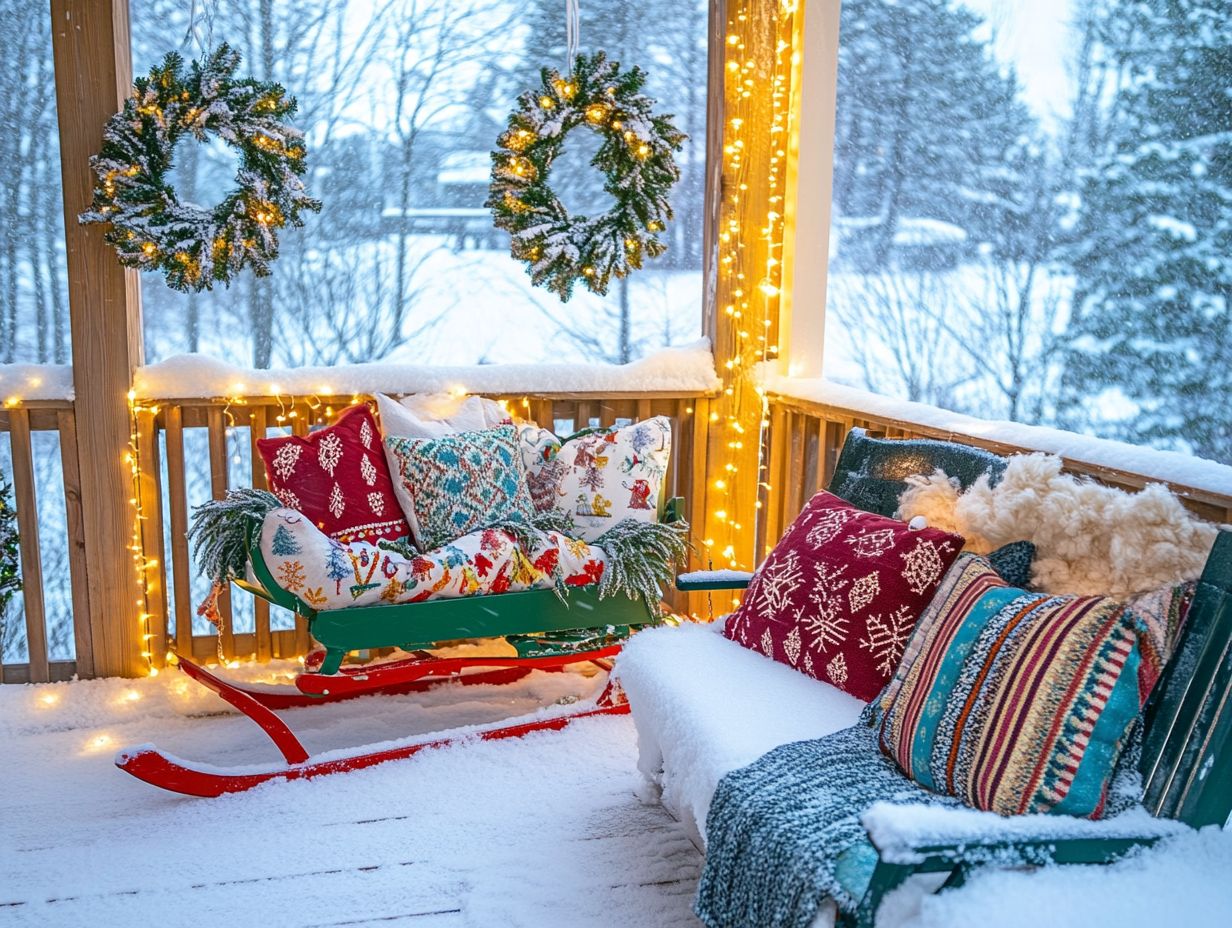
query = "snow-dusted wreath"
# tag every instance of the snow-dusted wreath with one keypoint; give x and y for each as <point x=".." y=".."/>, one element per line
<point x="151" y="228"/>
<point x="636" y="158"/>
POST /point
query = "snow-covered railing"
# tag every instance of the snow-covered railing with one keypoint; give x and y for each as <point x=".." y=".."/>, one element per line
<point x="199" y="420"/>
<point x="810" y="418"/>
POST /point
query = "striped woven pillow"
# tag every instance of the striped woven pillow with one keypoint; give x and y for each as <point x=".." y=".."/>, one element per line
<point x="1014" y="702"/>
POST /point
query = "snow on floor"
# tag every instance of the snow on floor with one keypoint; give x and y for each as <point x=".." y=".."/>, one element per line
<point x="545" y="831"/>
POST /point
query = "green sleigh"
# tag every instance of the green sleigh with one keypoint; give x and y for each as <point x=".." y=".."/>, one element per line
<point x="539" y="622"/>
<point x="549" y="629"/>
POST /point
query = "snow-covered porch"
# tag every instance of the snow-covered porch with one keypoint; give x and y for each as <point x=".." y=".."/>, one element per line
<point x="555" y="829"/>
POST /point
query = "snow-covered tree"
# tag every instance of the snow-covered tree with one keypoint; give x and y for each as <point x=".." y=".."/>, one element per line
<point x="929" y="125"/>
<point x="1152" y="319"/>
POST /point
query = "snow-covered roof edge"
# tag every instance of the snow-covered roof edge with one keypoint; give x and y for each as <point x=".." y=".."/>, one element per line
<point x="1151" y="463"/>
<point x="22" y="382"/>
<point x="686" y="369"/>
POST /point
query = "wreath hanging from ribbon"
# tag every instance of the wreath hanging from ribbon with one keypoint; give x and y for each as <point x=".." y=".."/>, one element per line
<point x="151" y="228"/>
<point x="636" y="158"/>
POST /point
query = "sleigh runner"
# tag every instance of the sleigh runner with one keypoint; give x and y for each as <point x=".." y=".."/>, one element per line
<point x="476" y="557"/>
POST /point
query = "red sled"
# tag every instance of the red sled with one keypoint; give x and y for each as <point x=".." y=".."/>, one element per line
<point x="418" y="674"/>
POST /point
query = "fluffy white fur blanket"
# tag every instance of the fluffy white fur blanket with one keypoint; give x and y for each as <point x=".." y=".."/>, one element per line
<point x="1089" y="538"/>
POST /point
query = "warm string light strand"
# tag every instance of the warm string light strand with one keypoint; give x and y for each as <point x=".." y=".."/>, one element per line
<point x="758" y="62"/>
<point x="142" y="564"/>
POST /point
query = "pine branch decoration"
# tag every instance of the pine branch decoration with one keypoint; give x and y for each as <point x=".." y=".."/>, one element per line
<point x="223" y="529"/>
<point x="150" y="228"/>
<point x="10" y="561"/>
<point x="636" y="157"/>
<point x="641" y="557"/>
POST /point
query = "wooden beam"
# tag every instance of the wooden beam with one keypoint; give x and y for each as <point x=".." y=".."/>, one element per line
<point x="26" y="498"/>
<point x="751" y="79"/>
<point x="90" y="43"/>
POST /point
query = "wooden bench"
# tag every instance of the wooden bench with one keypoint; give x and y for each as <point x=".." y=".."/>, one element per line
<point x="1186" y="760"/>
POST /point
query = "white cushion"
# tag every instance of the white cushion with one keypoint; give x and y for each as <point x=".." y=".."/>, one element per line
<point x="704" y="706"/>
<point x="601" y="478"/>
<point x="437" y="414"/>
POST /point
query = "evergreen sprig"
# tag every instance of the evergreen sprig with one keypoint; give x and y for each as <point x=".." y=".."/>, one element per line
<point x="222" y="530"/>
<point x="10" y="562"/>
<point x="641" y="557"/>
<point x="151" y="229"/>
<point x="636" y="158"/>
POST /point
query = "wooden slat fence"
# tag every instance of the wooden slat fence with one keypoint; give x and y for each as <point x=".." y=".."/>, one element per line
<point x="804" y="439"/>
<point x="191" y="449"/>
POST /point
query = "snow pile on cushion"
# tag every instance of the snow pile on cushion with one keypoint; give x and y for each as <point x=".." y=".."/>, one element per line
<point x="326" y="574"/>
<point x="704" y="706"/>
<point x="898" y="830"/>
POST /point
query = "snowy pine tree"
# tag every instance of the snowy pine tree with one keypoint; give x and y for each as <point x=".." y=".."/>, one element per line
<point x="336" y="567"/>
<point x="10" y="569"/>
<point x="1152" y="319"/>
<point x="928" y="124"/>
<point x="284" y="543"/>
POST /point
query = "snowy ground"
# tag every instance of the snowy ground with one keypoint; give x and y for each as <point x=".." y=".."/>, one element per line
<point x="546" y="831"/>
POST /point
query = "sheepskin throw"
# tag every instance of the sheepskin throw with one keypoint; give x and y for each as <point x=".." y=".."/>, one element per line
<point x="1090" y="539"/>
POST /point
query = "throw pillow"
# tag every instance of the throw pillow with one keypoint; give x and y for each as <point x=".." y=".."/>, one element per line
<point x="1015" y="702"/>
<point x="600" y="476"/>
<point x="838" y="596"/>
<point x="338" y="478"/>
<point x="452" y="485"/>
<point x="437" y="415"/>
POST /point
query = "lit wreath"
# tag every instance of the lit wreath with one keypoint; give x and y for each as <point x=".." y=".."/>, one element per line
<point x="636" y="158"/>
<point x="150" y="228"/>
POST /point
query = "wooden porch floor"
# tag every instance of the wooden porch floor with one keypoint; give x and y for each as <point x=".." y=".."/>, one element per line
<point x="545" y="831"/>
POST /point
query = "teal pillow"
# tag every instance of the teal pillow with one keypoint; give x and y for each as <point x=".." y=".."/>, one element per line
<point x="450" y="486"/>
<point x="1015" y="702"/>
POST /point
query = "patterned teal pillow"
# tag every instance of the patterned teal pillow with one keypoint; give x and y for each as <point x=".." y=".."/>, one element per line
<point x="450" y="486"/>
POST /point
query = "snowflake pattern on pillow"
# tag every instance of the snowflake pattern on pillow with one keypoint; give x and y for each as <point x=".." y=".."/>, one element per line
<point x="839" y="595"/>
<point x="338" y="478"/>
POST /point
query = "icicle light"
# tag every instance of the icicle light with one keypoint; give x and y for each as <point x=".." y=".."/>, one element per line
<point x="758" y="70"/>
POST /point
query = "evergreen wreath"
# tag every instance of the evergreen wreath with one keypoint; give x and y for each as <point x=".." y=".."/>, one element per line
<point x="636" y="157"/>
<point x="151" y="229"/>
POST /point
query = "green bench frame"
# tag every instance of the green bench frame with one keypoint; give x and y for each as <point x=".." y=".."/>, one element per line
<point x="1187" y="726"/>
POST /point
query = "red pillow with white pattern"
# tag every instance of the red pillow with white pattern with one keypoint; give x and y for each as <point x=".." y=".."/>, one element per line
<point x="839" y="596"/>
<point x="338" y="477"/>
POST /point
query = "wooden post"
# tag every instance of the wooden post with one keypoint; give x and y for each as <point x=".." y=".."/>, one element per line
<point x="751" y="72"/>
<point x="93" y="77"/>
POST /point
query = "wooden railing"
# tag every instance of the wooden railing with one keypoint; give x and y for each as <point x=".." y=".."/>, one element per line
<point x="804" y="439"/>
<point x="192" y="449"/>
<point x="22" y="423"/>
<point x="210" y="445"/>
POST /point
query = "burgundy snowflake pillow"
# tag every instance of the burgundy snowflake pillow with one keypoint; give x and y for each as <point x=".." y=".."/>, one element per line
<point x="839" y="596"/>
<point x="338" y="477"/>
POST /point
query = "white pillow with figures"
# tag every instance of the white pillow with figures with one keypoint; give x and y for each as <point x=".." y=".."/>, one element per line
<point x="602" y="477"/>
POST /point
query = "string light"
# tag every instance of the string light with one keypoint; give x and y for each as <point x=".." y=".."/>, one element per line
<point x="758" y="76"/>
<point x="142" y="565"/>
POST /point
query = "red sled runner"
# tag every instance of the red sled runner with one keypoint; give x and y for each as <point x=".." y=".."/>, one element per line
<point x="148" y="763"/>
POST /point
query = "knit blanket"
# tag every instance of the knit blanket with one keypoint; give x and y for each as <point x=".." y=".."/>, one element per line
<point x="783" y="834"/>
